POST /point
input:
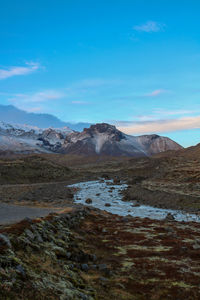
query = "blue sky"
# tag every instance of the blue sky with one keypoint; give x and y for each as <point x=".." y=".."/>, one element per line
<point x="133" y="63"/>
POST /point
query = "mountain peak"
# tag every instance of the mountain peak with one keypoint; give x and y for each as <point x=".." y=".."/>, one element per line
<point x="104" y="130"/>
<point x="101" y="128"/>
<point x="101" y="139"/>
<point x="106" y="139"/>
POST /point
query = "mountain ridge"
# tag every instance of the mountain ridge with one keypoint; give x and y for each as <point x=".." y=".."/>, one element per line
<point x="8" y="113"/>
<point x="99" y="139"/>
<point x="106" y="139"/>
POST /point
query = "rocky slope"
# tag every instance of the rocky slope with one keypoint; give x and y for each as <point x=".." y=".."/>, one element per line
<point x="191" y="152"/>
<point x="41" y="259"/>
<point x="105" y="139"/>
<point x="99" y="139"/>
<point x="156" y="144"/>
<point x="87" y="254"/>
<point x="27" y="139"/>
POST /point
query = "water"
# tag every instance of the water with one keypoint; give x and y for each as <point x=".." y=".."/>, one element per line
<point x="102" y="192"/>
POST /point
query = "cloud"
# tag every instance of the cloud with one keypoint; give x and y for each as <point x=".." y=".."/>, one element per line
<point x="36" y="102"/>
<point x="150" y="26"/>
<point x="158" y="126"/>
<point x="174" y="112"/>
<point x="156" y="93"/>
<point x="79" y="102"/>
<point x="95" y="83"/>
<point x="89" y="87"/>
<point x="16" y="71"/>
<point x="34" y="109"/>
<point x="37" y="97"/>
<point x="158" y="114"/>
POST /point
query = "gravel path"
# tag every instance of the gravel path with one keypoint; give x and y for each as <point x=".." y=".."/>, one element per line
<point x="13" y="213"/>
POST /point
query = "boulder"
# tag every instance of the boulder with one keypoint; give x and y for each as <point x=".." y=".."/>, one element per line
<point x="169" y="217"/>
<point x="88" y="201"/>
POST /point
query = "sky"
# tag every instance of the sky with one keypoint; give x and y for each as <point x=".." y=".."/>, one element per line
<point x="135" y="64"/>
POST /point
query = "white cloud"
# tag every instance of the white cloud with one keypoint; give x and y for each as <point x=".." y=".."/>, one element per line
<point x="16" y="71"/>
<point x="150" y="26"/>
<point x="174" y="112"/>
<point x="37" y="97"/>
<point x="158" y="114"/>
<point x="156" y="93"/>
<point x="158" y="126"/>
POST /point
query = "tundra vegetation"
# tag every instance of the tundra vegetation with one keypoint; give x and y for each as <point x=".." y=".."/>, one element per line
<point x="84" y="253"/>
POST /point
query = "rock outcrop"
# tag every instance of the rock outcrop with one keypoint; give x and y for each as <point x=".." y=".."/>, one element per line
<point x="41" y="259"/>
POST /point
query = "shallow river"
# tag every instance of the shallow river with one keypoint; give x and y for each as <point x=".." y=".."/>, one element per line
<point x="105" y="192"/>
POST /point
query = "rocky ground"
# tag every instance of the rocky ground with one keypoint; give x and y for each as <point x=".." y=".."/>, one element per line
<point x="88" y="254"/>
<point x="83" y="253"/>
<point x="165" y="183"/>
<point x="31" y="169"/>
<point x="40" y="194"/>
<point x="42" y="259"/>
<point x="147" y="259"/>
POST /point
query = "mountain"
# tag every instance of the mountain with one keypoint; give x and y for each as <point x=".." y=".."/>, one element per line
<point x="9" y="113"/>
<point x="192" y="152"/>
<point x="31" y="139"/>
<point x="156" y="144"/>
<point x="189" y="153"/>
<point x="105" y="139"/>
<point x="99" y="139"/>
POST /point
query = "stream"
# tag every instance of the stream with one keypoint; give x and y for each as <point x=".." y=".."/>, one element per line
<point x="107" y="196"/>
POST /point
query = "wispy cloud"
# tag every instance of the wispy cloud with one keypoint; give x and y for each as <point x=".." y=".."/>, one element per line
<point x="36" y="102"/>
<point x="16" y="71"/>
<point x="156" y="93"/>
<point x="34" y="109"/>
<point x="81" y="91"/>
<point x="174" y="112"/>
<point x="79" y="102"/>
<point x="159" y="126"/>
<point x="150" y="26"/>
<point x="95" y="83"/>
<point x="158" y="114"/>
<point x="37" y="97"/>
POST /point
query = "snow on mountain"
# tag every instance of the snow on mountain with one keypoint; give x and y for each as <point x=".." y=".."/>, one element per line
<point x="105" y="139"/>
<point x="20" y="145"/>
<point x="26" y="138"/>
<point x="99" y="139"/>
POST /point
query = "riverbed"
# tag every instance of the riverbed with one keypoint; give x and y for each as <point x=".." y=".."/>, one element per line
<point x="106" y="195"/>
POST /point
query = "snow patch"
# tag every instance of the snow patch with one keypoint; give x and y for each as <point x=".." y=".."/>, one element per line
<point x="100" y="140"/>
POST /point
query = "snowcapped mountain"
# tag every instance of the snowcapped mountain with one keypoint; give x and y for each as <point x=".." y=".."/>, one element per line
<point x="99" y="139"/>
<point x="25" y="138"/>
<point x="105" y="139"/>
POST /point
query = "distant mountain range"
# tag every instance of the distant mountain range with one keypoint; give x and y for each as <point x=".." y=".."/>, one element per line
<point x="99" y="139"/>
<point x="10" y="114"/>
